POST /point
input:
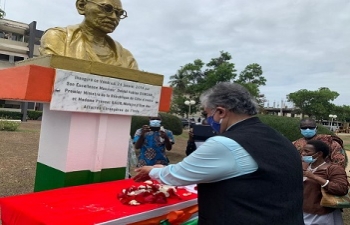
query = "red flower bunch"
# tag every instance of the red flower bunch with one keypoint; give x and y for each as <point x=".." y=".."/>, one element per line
<point x="148" y="192"/>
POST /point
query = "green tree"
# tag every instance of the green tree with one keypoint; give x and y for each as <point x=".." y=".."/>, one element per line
<point x="314" y="103"/>
<point x="179" y="81"/>
<point x="193" y="78"/>
<point x="252" y="74"/>
<point x="342" y="112"/>
<point x="178" y="106"/>
<point x="251" y="78"/>
<point x="184" y="83"/>
<point x="218" y="70"/>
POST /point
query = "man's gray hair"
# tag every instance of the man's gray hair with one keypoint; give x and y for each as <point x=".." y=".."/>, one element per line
<point x="231" y="96"/>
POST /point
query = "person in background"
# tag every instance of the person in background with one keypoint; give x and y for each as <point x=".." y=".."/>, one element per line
<point x="308" y="129"/>
<point x="320" y="174"/>
<point x="152" y="140"/>
<point x="191" y="145"/>
<point x="132" y="159"/>
<point x="247" y="174"/>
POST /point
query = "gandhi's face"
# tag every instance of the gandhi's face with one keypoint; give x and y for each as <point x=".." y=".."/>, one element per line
<point x="97" y="18"/>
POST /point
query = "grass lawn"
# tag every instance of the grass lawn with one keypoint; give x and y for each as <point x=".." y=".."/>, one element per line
<point x="19" y="151"/>
<point x="346" y="140"/>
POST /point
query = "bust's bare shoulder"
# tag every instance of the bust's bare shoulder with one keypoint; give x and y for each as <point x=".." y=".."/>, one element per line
<point x="54" y="39"/>
<point x="59" y="31"/>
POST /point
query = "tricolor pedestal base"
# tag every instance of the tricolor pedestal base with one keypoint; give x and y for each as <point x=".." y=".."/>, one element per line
<point x="81" y="148"/>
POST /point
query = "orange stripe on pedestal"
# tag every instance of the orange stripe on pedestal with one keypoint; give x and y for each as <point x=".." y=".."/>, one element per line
<point x="27" y="83"/>
<point x="35" y="83"/>
<point x="165" y="99"/>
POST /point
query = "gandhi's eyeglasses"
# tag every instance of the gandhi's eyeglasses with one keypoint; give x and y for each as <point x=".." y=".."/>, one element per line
<point x="109" y="9"/>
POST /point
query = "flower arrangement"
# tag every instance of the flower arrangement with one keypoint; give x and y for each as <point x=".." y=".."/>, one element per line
<point x="147" y="192"/>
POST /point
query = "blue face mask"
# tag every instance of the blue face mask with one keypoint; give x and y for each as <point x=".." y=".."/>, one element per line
<point x="215" y="125"/>
<point x="308" y="133"/>
<point x="308" y="159"/>
<point x="154" y="123"/>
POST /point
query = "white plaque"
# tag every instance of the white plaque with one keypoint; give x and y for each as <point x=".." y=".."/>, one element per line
<point x="81" y="92"/>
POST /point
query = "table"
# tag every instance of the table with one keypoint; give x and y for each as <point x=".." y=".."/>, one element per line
<point x="87" y="205"/>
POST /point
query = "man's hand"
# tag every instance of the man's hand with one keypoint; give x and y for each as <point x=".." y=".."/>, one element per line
<point x="145" y="129"/>
<point x="309" y="174"/>
<point x="163" y="134"/>
<point x="143" y="172"/>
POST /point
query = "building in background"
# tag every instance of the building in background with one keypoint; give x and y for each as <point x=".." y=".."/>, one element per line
<point x="18" y="41"/>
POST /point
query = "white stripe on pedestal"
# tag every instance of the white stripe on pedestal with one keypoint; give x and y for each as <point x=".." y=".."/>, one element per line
<point x="83" y="141"/>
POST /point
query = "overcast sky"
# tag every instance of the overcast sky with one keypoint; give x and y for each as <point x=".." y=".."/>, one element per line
<point x="300" y="44"/>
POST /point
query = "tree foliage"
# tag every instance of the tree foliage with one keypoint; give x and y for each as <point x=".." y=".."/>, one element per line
<point x="192" y="79"/>
<point x="342" y="112"/>
<point x="314" y="103"/>
<point x="289" y="126"/>
<point x="252" y="74"/>
<point x="219" y="70"/>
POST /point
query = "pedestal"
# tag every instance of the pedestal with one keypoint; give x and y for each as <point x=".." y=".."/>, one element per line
<point x="81" y="148"/>
<point x="87" y="115"/>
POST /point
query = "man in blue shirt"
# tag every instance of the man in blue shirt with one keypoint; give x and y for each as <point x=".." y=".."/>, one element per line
<point x="152" y="140"/>
<point x="247" y="174"/>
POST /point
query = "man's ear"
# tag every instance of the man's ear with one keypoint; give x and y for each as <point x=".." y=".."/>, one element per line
<point x="80" y="5"/>
<point x="222" y="111"/>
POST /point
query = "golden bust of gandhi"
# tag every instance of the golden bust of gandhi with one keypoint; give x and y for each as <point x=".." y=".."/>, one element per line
<point x="89" y="40"/>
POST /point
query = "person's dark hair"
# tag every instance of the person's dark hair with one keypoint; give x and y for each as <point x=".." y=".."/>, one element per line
<point x="319" y="146"/>
<point x="153" y="117"/>
<point x="308" y="119"/>
<point x="232" y="96"/>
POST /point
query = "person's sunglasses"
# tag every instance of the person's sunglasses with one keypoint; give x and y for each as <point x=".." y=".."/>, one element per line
<point x="109" y="9"/>
<point x="304" y="128"/>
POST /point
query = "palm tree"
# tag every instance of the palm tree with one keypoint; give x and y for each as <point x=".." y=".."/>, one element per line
<point x="179" y="81"/>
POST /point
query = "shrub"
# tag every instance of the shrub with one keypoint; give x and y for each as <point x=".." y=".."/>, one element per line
<point x="11" y="115"/>
<point x="34" y="115"/>
<point x="172" y="123"/>
<point x="9" y="125"/>
<point x="169" y="122"/>
<point x="136" y="123"/>
<point x="289" y="126"/>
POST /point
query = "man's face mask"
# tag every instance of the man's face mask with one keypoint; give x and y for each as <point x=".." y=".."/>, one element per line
<point x="155" y="123"/>
<point x="308" y="132"/>
<point x="215" y="125"/>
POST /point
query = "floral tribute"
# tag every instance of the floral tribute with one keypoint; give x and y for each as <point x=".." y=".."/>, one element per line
<point x="148" y="192"/>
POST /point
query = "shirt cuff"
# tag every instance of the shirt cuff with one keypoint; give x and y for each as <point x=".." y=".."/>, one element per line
<point x="154" y="174"/>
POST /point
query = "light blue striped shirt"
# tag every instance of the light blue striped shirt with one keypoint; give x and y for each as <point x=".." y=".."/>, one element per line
<point x="218" y="158"/>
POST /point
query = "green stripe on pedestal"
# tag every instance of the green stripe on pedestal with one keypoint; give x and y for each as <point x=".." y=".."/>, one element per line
<point x="48" y="178"/>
